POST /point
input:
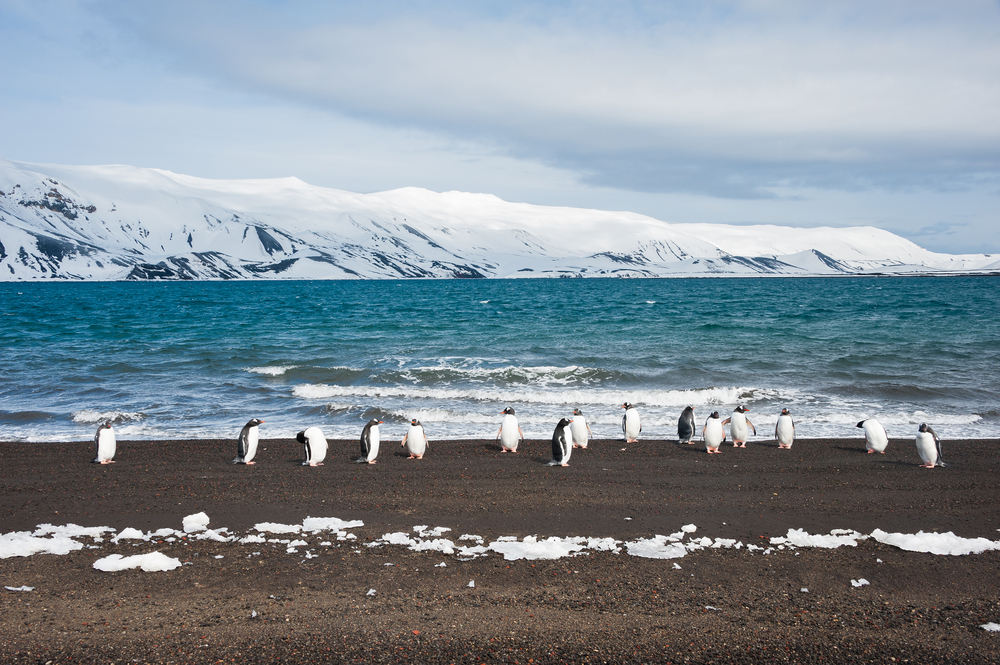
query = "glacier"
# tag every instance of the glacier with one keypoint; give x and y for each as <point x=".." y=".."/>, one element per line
<point x="129" y="223"/>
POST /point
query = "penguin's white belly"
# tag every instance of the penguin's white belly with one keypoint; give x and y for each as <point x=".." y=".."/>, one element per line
<point x="927" y="448"/>
<point x="714" y="434"/>
<point x="785" y="431"/>
<point x="317" y="445"/>
<point x="738" y="427"/>
<point x="373" y="442"/>
<point x="416" y="442"/>
<point x="579" y="430"/>
<point x="106" y="445"/>
<point x="508" y="432"/>
<point x="567" y="444"/>
<point x="875" y="437"/>
<point x="632" y="424"/>
<point x="251" y="444"/>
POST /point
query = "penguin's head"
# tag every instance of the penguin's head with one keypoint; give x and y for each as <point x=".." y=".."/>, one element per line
<point x="509" y="411"/>
<point x="563" y="422"/>
<point x="301" y="437"/>
<point x="785" y="412"/>
<point x="577" y="412"/>
<point x="923" y="427"/>
<point x="715" y="414"/>
<point x="255" y="421"/>
<point x="626" y="406"/>
<point x="375" y="421"/>
<point x="742" y="409"/>
<point x="415" y="422"/>
<point x="861" y="424"/>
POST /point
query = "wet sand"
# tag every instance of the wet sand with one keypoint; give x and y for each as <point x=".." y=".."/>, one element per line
<point x="598" y="607"/>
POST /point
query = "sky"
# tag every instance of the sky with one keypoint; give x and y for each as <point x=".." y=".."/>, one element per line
<point x="803" y="114"/>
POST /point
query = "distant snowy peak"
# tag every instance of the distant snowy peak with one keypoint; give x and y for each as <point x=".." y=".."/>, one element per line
<point x="122" y="222"/>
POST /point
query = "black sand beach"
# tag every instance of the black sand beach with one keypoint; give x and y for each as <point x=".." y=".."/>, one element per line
<point x="722" y="605"/>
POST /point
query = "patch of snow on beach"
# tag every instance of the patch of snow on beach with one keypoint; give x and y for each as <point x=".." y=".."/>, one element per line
<point x="152" y="562"/>
<point x="272" y="527"/>
<point x="196" y="522"/>
<point x="532" y="548"/>
<point x="991" y="627"/>
<point x="657" y="547"/>
<point x="48" y="539"/>
<point x="836" y="538"/>
<point x="19" y="588"/>
<point x="317" y="524"/>
<point x="936" y="543"/>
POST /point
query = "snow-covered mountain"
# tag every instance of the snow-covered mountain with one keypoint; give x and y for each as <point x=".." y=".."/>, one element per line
<point x="121" y="222"/>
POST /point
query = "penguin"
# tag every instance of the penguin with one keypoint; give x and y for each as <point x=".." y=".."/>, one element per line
<point x="784" y="430"/>
<point x="738" y="427"/>
<point x="510" y="433"/>
<point x="314" y="445"/>
<point x="562" y="443"/>
<point x="713" y="433"/>
<point x="929" y="447"/>
<point x="369" y="442"/>
<point x="415" y="441"/>
<point x="686" y="426"/>
<point x="105" y="444"/>
<point x="580" y="429"/>
<point x="630" y="423"/>
<point x="876" y="438"/>
<point x="247" y="446"/>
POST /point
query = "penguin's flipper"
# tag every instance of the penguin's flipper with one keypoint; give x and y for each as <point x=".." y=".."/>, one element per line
<point x="726" y="421"/>
<point x="752" y="427"/>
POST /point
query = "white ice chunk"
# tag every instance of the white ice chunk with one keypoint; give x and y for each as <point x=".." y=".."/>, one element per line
<point x="799" y="538"/>
<point x="860" y="582"/>
<point x="472" y="584"/>
<point x="271" y="527"/>
<point x="19" y="588"/>
<point x="194" y="523"/>
<point x="689" y="528"/>
<point x="252" y="539"/>
<point x="154" y="561"/>
<point x="329" y="524"/>
<point x="129" y="533"/>
<point x="658" y="547"/>
<point x="936" y="543"/>
<point x="533" y="549"/>
<point x="371" y="592"/>
<point x="991" y="627"/>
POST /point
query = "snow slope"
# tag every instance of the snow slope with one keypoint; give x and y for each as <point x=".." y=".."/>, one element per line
<point x="122" y="222"/>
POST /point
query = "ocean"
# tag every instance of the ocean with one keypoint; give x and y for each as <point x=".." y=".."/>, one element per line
<point x="199" y="359"/>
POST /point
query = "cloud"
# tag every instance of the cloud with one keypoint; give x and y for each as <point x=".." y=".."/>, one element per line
<point x="725" y="99"/>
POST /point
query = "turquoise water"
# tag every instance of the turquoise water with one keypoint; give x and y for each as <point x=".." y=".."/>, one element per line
<point x="198" y="359"/>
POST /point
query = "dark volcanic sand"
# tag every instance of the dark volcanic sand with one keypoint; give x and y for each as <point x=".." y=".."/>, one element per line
<point x="593" y="608"/>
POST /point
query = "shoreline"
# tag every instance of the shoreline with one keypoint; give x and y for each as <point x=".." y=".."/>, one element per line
<point x="720" y="605"/>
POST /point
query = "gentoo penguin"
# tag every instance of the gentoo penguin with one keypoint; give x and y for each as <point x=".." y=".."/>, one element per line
<point x="247" y="446"/>
<point x="580" y="429"/>
<point x="415" y="441"/>
<point x="562" y="444"/>
<point x="738" y="423"/>
<point x="929" y="447"/>
<point x="784" y="430"/>
<point x="875" y="437"/>
<point x="104" y="444"/>
<point x="686" y="426"/>
<point x="630" y="423"/>
<point x="713" y="433"/>
<point x="510" y="433"/>
<point x="314" y="445"/>
<point x="370" y="441"/>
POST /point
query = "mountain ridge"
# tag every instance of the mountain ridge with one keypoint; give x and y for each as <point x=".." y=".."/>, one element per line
<point x="129" y="223"/>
